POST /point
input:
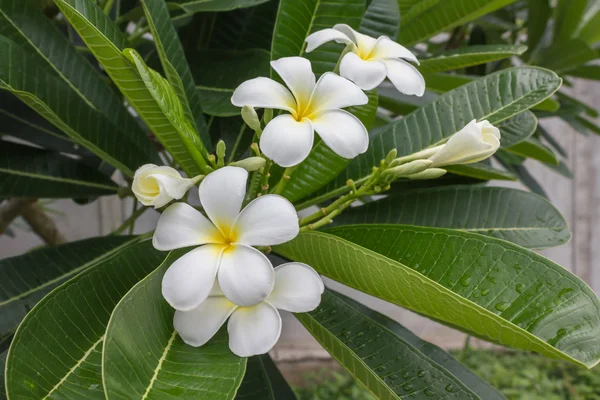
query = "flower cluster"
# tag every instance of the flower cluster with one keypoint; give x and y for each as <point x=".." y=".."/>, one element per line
<point x="227" y="277"/>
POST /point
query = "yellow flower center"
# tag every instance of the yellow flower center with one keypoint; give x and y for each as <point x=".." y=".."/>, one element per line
<point x="364" y="54"/>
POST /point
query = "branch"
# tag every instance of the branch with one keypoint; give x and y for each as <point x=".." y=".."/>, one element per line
<point x="42" y="224"/>
<point x="12" y="209"/>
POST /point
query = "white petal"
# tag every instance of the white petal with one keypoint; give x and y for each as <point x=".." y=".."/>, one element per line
<point x="465" y="146"/>
<point x="323" y="36"/>
<point x="298" y="288"/>
<point x="287" y="141"/>
<point x="297" y="74"/>
<point x="366" y="74"/>
<point x="406" y="78"/>
<point x="342" y="132"/>
<point x="245" y="275"/>
<point x="181" y="225"/>
<point x="254" y="330"/>
<point x="387" y="48"/>
<point x="188" y="281"/>
<point x="222" y="193"/>
<point x="365" y="43"/>
<point x="263" y="93"/>
<point x="198" y="326"/>
<point x="487" y="128"/>
<point x="268" y="220"/>
<point x="147" y="186"/>
<point x="176" y="187"/>
<point x="332" y="92"/>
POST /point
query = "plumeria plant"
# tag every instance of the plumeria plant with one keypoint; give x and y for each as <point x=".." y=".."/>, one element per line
<point x="206" y="112"/>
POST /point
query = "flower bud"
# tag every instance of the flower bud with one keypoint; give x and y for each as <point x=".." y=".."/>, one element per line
<point x="251" y="118"/>
<point x="391" y="156"/>
<point x="267" y="115"/>
<point x="157" y="186"/>
<point x="250" y="164"/>
<point x="430" y="173"/>
<point x="409" y="168"/>
<point x="475" y="142"/>
<point x="221" y="148"/>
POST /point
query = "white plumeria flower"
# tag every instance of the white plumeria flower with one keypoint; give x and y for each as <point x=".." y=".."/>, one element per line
<point x="157" y="186"/>
<point x="252" y="330"/>
<point x="475" y="142"/>
<point x="370" y="60"/>
<point x="288" y="138"/>
<point x="226" y="240"/>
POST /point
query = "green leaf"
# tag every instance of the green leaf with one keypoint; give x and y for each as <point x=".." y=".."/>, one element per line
<point x="322" y="165"/>
<point x="484" y="285"/>
<point x="567" y="17"/>
<point x="106" y="42"/>
<point x="480" y="170"/>
<point x="166" y="98"/>
<point x="514" y="215"/>
<point x="387" y="358"/>
<point x="25" y="279"/>
<point x="219" y="72"/>
<point x="588" y="31"/>
<point x="514" y="163"/>
<point x="517" y="129"/>
<point x="495" y="97"/>
<point x="147" y="359"/>
<point x="57" y="349"/>
<point x="427" y="18"/>
<point x="263" y="381"/>
<point x="298" y="19"/>
<point x="382" y="18"/>
<point x="24" y="23"/>
<point x="29" y="172"/>
<point x="56" y="102"/>
<point x="175" y="65"/>
<point x="195" y="6"/>
<point x="573" y="53"/>
<point x="533" y="148"/>
<point x="468" y="56"/>
<point x="539" y="12"/>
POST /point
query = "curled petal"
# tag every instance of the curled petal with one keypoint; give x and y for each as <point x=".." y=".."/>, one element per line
<point x="254" y="330"/>
<point x="364" y="42"/>
<point x="287" y="141"/>
<point x="323" y="36"/>
<point x="333" y="92"/>
<point x="406" y="78"/>
<point x="188" y="281"/>
<point x="387" y="48"/>
<point x="298" y="288"/>
<point x="157" y="185"/>
<point x="366" y="74"/>
<point x="245" y="275"/>
<point x="222" y="193"/>
<point x="342" y="132"/>
<point x="181" y="225"/>
<point x="198" y="326"/>
<point x="263" y="93"/>
<point x="297" y="74"/>
<point x="268" y="220"/>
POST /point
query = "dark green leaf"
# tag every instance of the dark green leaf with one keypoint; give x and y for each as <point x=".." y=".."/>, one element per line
<point x="585" y="72"/>
<point x="57" y="349"/>
<point x="567" y="17"/>
<point x="480" y="170"/>
<point x="468" y="56"/>
<point x="387" y="358"/>
<point x="25" y="279"/>
<point x="382" y="18"/>
<point x="514" y="215"/>
<point x="487" y="286"/>
<point x="263" y="381"/>
<point x="147" y="359"/>
<point x="533" y="148"/>
<point x="539" y="13"/>
<point x="194" y="6"/>
<point x="517" y="129"/>
<point x="564" y="56"/>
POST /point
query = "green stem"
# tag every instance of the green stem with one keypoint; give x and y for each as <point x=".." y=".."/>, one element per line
<point x="133" y="212"/>
<point x="330" y="195"/>
<point x="130" y="220"/>
<point x="264" y="184"/>
<point x="285" y="178"/>
<point x="136" y="36"/>
<point x="465" y="350"/>
<point x="108" y="6"/>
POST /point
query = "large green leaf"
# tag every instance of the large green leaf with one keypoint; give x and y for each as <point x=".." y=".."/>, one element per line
<point x="263" y="381"/>
<point x="495" y="97"/>
<point x="29" y="172"/>
<point x="25" y="279"/>
<point x="194" y="6"/>
<point x="514" y="215"/>
<point x="387" y="358"/>
<point x="468" y="56"/>
<point x="484" y="285"/>
<point x="57" y="349"/>
<point x="174" y="64"/>
<point x="322" y="165"/>
<point x="427" y="18"/>
<point x="147" y="359"/>
<point x="482" y="170"/>
<point x="382" y="18"/>
<point x="219" y="72"/>
<point x="517" y="129"/>
<point x="533" y="148"/>
<point x="106" y="42"/>
<point x="298" y="19"/>
<point x="56" y="102"/>
<point x="23" y="22"/>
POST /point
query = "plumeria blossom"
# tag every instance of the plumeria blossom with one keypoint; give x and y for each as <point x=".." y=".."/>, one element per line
<point x="252" y="330"/>
<point x="475" y="142"/>
<point x="156" y="186"/>
<point x="225" y="238"/>
<point x="312" y="106"/>
<point x="370" y="60"/>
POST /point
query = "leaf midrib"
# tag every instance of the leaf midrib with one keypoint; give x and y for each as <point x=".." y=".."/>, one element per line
<point x="58" y="179"/>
